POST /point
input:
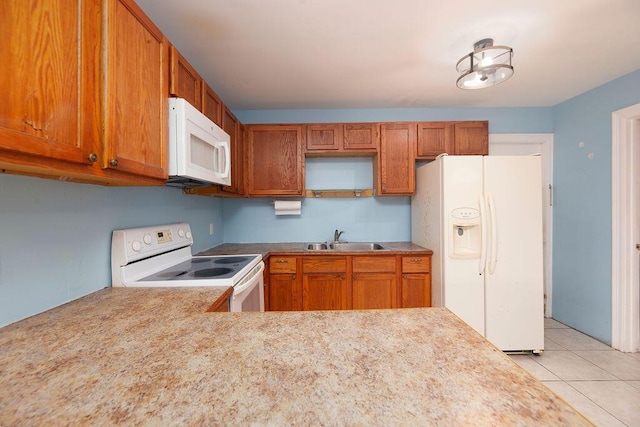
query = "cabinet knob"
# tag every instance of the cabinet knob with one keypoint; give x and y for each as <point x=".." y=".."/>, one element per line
<point x="92" y="157"/>
<point x="113" y="163"/>
<point x="293" y="276"/>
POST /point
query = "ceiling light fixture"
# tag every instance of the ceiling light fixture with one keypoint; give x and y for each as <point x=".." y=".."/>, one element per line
<point x="486" y="66"/>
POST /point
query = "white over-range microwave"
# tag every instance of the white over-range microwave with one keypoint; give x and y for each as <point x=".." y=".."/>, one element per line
<point x="199" y="150"/>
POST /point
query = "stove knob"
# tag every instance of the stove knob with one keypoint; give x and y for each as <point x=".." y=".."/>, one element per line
<point x="188" y="235"/>
<point x="180" y="232"/>
<point x="147" y="238"/>
<point x="136" y="246"/>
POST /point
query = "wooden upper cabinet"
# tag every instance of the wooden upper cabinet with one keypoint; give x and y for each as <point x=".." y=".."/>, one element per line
<point x="136" y="108"/>
<point x="395" y="165"/>
<point x="184" y="80"/>
<point x="275" y="162"/>
<point x="321" y="137"/>
<point x="212" y="106"/>
<point x="362" y="136"/>
<point x="435" y="138"/>
<point x="471" y="138"/>
<point x="49" y="93"/>
<point x="342" y="139"/>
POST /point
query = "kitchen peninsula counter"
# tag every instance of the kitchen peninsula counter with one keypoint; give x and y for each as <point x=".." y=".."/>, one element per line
<point x="299" y="248"/>
<point x="153" y="356"/>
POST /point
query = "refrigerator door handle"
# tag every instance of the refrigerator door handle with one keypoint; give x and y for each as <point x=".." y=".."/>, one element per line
<point x="483" y="235"/>
<point x="493" y="253"/>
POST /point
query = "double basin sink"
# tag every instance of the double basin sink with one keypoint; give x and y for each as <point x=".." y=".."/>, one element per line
<point x="344" y="246"/>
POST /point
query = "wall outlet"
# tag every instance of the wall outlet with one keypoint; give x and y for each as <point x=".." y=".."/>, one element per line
<point x="211" y="229"/>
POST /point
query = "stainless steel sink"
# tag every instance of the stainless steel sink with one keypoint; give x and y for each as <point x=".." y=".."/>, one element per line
<point x="317" y="247"/>
<point x="344" y="246"/>
<point x="355" y="246"/>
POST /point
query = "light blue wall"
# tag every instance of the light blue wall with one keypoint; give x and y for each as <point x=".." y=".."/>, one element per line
<point x="582" y="210"/>
<point x="55" y="237"/>
<point x="379" y="219"/>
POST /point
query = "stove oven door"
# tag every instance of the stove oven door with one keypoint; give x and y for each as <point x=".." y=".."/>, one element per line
<point x="248" y="293"/>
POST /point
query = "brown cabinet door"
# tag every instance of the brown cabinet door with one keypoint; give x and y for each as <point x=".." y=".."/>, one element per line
<point x="472" y="138"/>
<point x="396" y="160"/>
<point x="324" y="291"/>
<point x="211" y="104"/>
<point x="49" y="89"/>
<point x="374" y="290"/>
<point x="434" y="138"/>
<point x="137" y="88"/>
<point x="275" y="165"/>
<point x="416" y="290"/>
<point x="361" y="136"/>
<point x="321" y="137"/>
<point x="283" y="295"/>
<point x="184" y="80"/>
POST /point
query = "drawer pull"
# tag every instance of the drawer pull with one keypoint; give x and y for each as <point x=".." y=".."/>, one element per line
<point x="281" y="261"/>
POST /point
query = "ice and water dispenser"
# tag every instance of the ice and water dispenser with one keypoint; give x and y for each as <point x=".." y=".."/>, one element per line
<point x="466" y="237"/>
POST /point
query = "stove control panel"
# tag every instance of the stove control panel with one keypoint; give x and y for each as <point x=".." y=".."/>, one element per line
<point x="134" y="244"/>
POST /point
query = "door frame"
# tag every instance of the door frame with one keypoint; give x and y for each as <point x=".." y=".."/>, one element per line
<point x="625" y="277"/>
<point x="546" y="140"/>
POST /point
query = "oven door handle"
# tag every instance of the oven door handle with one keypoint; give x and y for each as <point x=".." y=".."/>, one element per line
<point x="248" y="281"/>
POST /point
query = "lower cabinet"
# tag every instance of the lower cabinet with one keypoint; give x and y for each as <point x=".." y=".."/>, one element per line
<point x="324" y="283"/>
<point x="324" y="291"/>
<point x="374" y="282"/>
<point x="283" y="284"/>
<point x="415" y="290"/>
<point x="374" y="290"/>
<point x="358" y="282"/>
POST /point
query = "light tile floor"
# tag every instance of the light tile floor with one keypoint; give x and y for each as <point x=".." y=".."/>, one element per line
<point x="600" y="382"/>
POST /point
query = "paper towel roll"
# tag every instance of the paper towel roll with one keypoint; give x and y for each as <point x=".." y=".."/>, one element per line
<point x="287" y="207"/>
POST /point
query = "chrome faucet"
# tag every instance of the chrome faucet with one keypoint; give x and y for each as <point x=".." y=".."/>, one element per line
<point x="336" y="235"/>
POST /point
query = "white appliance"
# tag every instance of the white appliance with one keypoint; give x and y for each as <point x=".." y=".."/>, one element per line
<point x="199" y="151"/>
<point x="482" y="217"/>
<point x="160" y="256"/>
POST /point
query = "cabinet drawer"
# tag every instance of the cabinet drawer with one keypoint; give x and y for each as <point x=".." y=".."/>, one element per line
<point x="416" y="264"/>
<point x="374" y="264"/>
<point x="282" y="264"/>
<point x="324" y="264"/>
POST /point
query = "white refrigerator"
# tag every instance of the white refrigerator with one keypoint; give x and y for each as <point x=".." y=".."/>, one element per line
<point x="482" y="217"/>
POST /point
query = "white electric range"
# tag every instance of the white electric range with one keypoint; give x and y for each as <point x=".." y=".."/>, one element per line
<point x="160" y="256"/>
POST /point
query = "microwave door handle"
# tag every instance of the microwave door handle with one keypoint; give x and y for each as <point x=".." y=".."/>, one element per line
<point x="224" y="146"/>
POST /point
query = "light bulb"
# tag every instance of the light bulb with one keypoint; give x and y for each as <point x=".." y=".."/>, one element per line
<point x="486" y="62"/>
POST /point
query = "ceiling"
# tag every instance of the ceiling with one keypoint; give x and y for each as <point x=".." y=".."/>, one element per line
<point x="295" y="54"/>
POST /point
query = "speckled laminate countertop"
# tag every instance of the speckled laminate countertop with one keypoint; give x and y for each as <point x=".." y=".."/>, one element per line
<point x="151" y="356"/>
<point x="298" y="248"/>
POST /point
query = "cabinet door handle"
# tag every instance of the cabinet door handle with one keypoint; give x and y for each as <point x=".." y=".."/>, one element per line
<point x="404" y="276"/>
<point x="113" y="163"/>
<point x="281" y="261"/>
<point x="93" y="157"/>
<point x="293" y="276"/>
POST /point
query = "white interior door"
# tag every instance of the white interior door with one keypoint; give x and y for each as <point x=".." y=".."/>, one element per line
<point x="529" y="144"/>
<point x="625" y="228"/>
